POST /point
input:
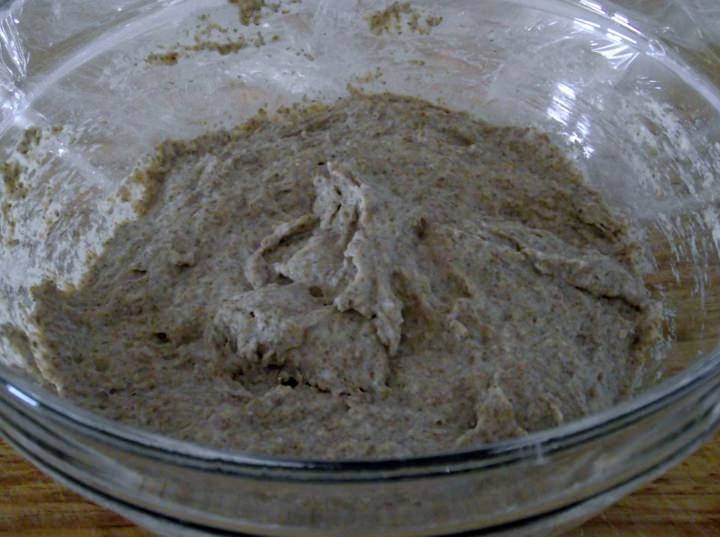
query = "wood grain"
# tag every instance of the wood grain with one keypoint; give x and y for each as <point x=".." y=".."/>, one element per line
<point x="683" y="503"/>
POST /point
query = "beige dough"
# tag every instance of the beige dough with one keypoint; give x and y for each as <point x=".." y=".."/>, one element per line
<point x="378" y="277"/>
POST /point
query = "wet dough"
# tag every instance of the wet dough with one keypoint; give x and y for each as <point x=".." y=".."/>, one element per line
<point x="376" y="277"/>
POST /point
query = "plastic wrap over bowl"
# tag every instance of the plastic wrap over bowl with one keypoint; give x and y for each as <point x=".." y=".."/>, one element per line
<point x="628" y="90"/>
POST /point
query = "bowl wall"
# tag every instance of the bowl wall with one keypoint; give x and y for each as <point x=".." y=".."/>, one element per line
<point x="636" y="115"/>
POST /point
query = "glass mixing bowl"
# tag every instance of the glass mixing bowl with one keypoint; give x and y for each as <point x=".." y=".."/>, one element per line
<point x="630" y="97"/>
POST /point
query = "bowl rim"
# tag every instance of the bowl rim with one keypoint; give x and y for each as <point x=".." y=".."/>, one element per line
<point x="533" y="446"/>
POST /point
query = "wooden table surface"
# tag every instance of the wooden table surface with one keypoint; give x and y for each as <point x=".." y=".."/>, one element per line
<point x="683" y="503"/>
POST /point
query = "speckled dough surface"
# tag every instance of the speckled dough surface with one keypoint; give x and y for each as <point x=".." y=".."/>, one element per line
<point x="377" y="277"/>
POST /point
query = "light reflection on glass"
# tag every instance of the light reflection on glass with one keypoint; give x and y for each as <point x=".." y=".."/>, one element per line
<point x="617" y="49"/>
<point x="563" y="110"/>
<point x="592" y="6"/>
<point x="614" y="35"/>
<point x="562" y="103"/>
<point x="580" y="134"/>
<point x="618" y="54"/>
<point x="20" y="395"/>
<point x="566" y="90"/>
<point x="585" y="25"/>
<point x="622" y="20"/>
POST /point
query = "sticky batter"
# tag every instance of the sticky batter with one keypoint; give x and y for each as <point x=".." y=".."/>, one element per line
<point x="377" y="277"/>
